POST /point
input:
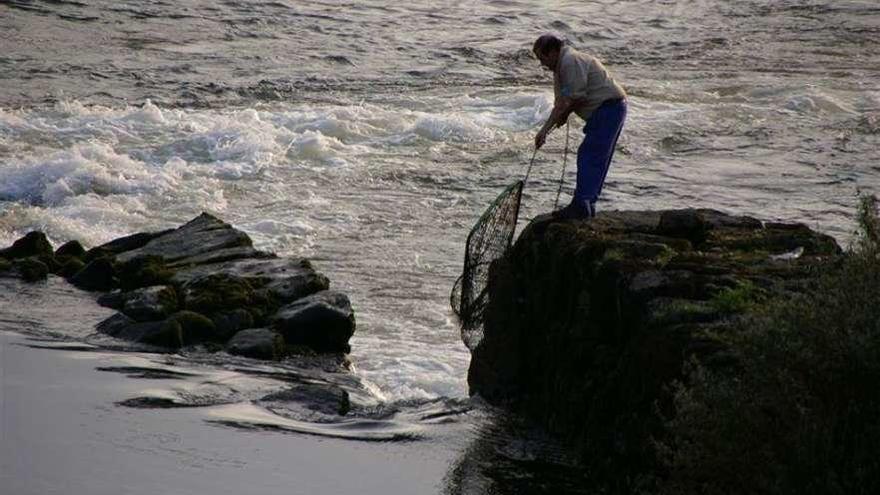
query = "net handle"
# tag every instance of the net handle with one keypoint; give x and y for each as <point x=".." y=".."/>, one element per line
<point x="529" y="171"/>
<point x="564" y="164"/>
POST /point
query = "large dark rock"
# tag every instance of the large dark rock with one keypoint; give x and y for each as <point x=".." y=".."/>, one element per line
<point x="144" y="271"/>
<point x="228" y="323"/>
<point x="209" y="273"/>
<point x="32" y="244"/>
<point x="113" y="325"/>
<point x="97" y="275"/>
<point x="258" y="343"/>
<point x="203" y="235"/>
<point x="71" y="249"/>
<point x="165" y="333"/>
<point x="323" y="321"/>
<point x="149" y="303"/>
<point x="285" y="280"/>
<point x="122" y="244"/>
<point x="195" y="328"/>
<point x="589" y="322"/>
<point x="221" y="292"/>
<point x="27" y="269"/>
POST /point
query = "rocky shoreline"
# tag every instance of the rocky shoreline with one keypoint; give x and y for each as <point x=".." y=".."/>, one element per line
<point x="591" y="322"/>
<point x="201" y="283"/>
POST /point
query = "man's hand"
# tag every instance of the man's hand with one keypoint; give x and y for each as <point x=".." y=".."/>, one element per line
<point x="540" y="139"/>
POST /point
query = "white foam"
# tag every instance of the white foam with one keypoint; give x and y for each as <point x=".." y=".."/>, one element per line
<point x="93" y="168"/>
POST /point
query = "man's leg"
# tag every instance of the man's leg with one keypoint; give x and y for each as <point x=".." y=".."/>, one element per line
<point x="595" y="152"/>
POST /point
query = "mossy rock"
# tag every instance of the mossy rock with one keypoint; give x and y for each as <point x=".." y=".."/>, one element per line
<point x="223" y="292"/>
<point x="148" y="303"/>
<point x="170" y="335"/>
<point x="97" y="253"/>
<point x="195" y="328"/>
<point x="70" y="266"/>
<point x="145" y="271"/>
<point x="50" y="261"/>
<point x="257" y="343"/>
<point x="97" y="275"/>
<point x="167" y="333"/>
<point x="31" y="269"/>
<point x="32" y="244"/>
<point x="228" y="323"/>
<point x="71" y="248"/>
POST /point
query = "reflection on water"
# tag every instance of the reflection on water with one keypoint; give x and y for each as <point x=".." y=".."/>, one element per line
<point x="506" y="456"/>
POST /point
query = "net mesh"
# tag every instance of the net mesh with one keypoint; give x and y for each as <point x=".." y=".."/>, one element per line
<point x="489" y="240"/>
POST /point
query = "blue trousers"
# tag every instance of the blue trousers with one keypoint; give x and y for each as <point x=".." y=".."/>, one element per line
<point x="595" y="152"/>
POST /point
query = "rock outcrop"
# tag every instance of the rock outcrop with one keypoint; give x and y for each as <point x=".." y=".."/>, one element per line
<point x="590" y="321"/>
<point x="202" y="282"/>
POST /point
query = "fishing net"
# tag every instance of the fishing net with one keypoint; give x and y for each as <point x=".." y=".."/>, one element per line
<point x="488" y="241"/>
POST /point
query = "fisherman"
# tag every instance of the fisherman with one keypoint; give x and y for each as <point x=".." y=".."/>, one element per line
<point x="583" y="85"/>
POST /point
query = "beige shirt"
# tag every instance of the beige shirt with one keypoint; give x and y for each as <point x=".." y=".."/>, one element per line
<point x="582" y="77"/>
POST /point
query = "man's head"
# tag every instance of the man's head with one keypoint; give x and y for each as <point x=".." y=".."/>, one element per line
<point x="546" y="49"/>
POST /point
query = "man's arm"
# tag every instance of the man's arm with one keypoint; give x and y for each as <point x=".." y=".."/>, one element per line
<point x="562" y="108"/>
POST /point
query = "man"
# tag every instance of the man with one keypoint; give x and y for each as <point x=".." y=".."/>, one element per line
<point x="582" y="85"/>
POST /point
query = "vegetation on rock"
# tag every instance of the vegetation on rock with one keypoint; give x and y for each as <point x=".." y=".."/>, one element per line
<point x="590" y="323"/>
<point x="799" y="412"/>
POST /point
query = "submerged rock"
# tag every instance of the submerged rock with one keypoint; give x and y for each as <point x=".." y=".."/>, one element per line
<point x="589" y="322"/>
<point x="323" y="398"/>
<point x="259" y="343"/>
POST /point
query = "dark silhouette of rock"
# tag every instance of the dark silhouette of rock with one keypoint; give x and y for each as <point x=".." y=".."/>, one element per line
<point x="200" y="236"/>
<point x="195" y="328"/>
<point x="27" y="269"/>
<point x="97" y="275"/>
<point x="228" y="323"/>
<point x="284" y="279"/>
<point x="589" y="322"/>
<point x="122" y="244"/>
<point x="323" y="321"/>
<point x="70" y="267"/>
<point x="144" y="271"/>
<point x="71" y="249"/>
<point x="32" y="244"/>
<point x="202" y="282"/>
<point x="150" y="303"/>
<point x="258" y="343"/>
<point x="113" y="325"/>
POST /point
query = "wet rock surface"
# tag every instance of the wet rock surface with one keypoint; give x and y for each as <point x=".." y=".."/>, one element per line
<point x="589" y="322"/>
<point x="202" y="282"/>
<point x="259" y="343"/>
<point x="322" y="321"/>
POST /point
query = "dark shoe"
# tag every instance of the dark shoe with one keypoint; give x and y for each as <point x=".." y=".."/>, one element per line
<point x="574" y="211"/>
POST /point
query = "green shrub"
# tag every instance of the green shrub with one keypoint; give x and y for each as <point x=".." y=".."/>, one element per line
<point x="799" y="412"/>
